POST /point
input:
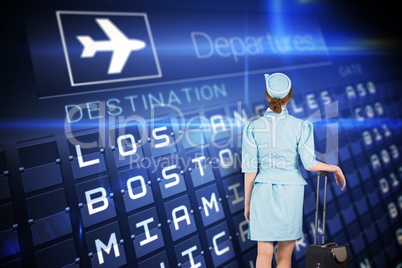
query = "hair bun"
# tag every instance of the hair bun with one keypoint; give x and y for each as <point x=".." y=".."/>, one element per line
<point x="275" y="105"/>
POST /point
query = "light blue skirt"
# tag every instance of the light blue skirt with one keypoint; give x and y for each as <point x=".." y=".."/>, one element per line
<point x="276" y="212"/>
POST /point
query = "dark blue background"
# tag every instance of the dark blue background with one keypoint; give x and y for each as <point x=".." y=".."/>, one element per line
<point x="41" y="204"/>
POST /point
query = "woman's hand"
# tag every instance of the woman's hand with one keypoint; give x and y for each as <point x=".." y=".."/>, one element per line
<point x="338" y="174"/>
<point x="247" y="212"/>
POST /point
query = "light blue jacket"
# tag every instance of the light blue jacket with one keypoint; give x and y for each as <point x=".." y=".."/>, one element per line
<point x="271" y="145"/>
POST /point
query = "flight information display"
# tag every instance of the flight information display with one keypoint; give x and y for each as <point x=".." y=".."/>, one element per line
<point x="121" y="135"/>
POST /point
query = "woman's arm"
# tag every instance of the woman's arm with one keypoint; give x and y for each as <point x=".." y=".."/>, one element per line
<point x="248" y="189"/>
<point x="338" y="174"/>
<point x="324" y="167"/>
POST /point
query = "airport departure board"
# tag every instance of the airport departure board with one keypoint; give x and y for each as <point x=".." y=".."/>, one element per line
<point x="121" y="130"/>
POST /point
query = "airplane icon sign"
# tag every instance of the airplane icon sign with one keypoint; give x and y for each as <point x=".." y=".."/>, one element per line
<point x="107" y="47"/>
<point x="118" y="43"/>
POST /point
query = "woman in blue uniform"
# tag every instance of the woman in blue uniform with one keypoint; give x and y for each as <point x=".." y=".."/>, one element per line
<point x="274" y="197"/>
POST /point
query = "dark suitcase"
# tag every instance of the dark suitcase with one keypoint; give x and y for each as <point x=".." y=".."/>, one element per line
<point x="325" y="255"/>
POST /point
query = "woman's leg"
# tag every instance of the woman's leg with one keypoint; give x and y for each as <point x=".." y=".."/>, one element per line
<point x="264" y="256"/>
<point x="284" y="253"/>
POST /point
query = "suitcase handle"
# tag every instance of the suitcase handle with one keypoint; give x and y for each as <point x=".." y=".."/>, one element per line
<point x="329" y="245"/>
<point x="319" y="173"/>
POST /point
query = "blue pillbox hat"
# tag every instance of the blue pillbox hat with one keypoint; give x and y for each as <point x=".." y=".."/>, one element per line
<point x="278" y="85"/>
